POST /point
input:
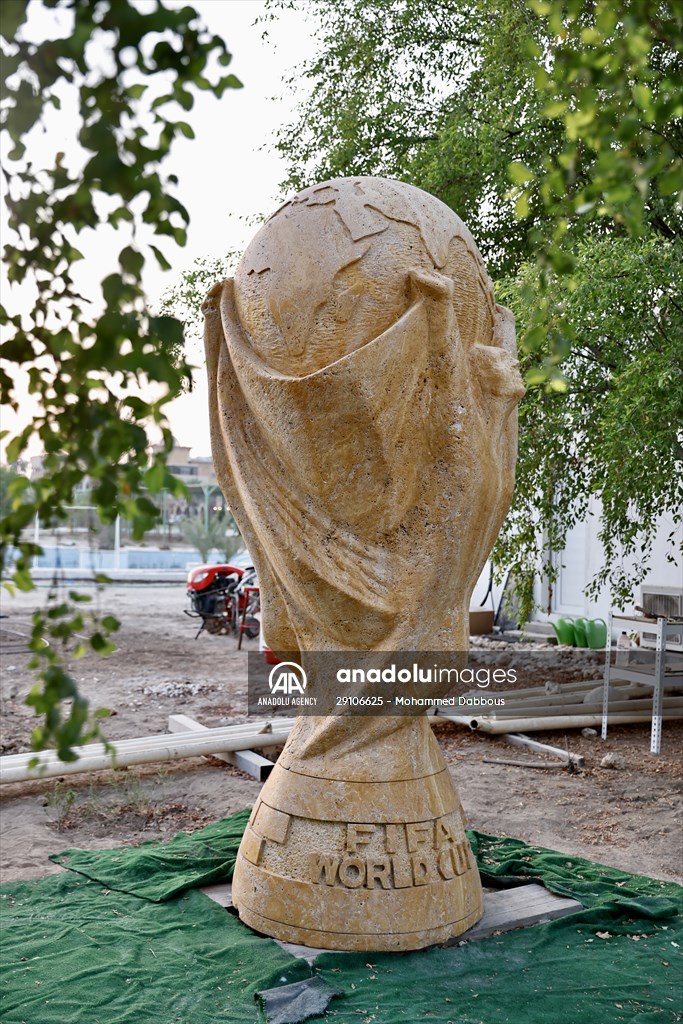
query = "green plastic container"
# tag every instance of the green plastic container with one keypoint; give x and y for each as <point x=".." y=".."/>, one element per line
<point x="564" y="631"/>
<point x="580" y="625"/>
<point x="596" y="634"/>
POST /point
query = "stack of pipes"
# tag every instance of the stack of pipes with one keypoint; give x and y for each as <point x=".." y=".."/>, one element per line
<point x="568" y="705"/>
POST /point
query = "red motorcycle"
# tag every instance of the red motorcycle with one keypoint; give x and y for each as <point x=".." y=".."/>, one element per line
<point x="226" y="598"/>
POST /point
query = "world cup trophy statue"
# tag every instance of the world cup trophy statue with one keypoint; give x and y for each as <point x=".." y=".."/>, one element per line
<point x="363" y="387"/>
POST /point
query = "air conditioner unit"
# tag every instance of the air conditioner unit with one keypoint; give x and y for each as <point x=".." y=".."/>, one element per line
<point x="662" y="601"/>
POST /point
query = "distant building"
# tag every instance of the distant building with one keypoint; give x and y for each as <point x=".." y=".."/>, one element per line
<point x="196" y="472"/>
<point x="197" y="469"/>
<point x="199" y="476"/>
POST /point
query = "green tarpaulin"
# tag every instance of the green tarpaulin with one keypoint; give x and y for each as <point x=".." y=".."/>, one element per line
<point x="119" y="942"/>
<point x="73" y="952"/>
<point x="156" y="871"/>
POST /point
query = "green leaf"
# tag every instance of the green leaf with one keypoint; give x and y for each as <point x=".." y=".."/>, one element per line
<point x="113" y="290"/>
<point x="184" y="98"/>
<point x="146" y="508"/>
<point x="131" y="261"/>
<point x="642" y="94"/>
<point x="518" y="173"/>
<point x="12" y="16"/>
<point x="101" y="644"/>
<point x="121" y="213"/>
<point x="671" y="181"/>
<point x="556" y="108"/>
<point x="229" y="82"/>
<point x="534" y="339"/>
<point x="536" y="375"/>
<point x="22" y="578"/>
<point x="591" y="37"/>
<point x="155" y="477"/>
<point x="522" y="206"/>
<point x="169" y="329"/>
<point x="17" y="445"/>
<point x="558" y="383"/>
<point x="161" y="259"/>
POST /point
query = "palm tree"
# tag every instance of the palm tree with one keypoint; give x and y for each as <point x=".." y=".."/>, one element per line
<point x="220" y="533"/>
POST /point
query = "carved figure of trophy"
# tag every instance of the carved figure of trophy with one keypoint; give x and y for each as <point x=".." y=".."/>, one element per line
<point x="363" y="392"/>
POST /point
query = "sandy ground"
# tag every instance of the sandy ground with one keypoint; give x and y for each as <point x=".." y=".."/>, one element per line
<point x="627" y="817"/>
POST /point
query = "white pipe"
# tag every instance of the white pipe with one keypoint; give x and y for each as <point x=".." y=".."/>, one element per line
<point x="540" y="724"/>
<point x="146" y="750"/>
<point x="625" y="692"/>
<point x="36" y="539"/>
<point x="557" y="700"/>
<point x="458" y="719"/>
<point x="531" y="691"/>
<point x="117" y="542"/>
<point x="519" y="740"/>
<point x="151" y="749"/>
<point x="553" y="712"/>
<point x="151" y="742"/>
<point x="93" y="757"/>
<point x="571" y="690"/>
<point x="182" y="724"/>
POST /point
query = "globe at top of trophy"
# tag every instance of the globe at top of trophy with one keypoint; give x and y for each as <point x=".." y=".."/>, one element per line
<point x="334" y="268"/>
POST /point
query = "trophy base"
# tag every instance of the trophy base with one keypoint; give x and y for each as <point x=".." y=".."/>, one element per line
<point x="377" y="942"/>
<point x="357" y="865"/>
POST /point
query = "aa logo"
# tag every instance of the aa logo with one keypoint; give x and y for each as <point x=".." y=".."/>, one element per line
<point x="288" y="678"/>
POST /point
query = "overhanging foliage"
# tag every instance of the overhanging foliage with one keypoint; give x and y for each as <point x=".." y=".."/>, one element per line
<point x="99" y="367"/>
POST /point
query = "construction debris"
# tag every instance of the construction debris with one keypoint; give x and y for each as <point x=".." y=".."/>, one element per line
<point x="525" y="764"/>
<point x="613" y="761"/>
<point x="520" y="740"/>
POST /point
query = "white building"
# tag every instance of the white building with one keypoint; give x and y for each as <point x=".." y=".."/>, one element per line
<point x="582" y="559"/>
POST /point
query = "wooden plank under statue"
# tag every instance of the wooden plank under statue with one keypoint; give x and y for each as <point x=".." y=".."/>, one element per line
<point x="363" y="392"/>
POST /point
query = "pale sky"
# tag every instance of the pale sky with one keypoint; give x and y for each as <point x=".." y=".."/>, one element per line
<point x="231" y="169"/>
<point x="228" y="173"/>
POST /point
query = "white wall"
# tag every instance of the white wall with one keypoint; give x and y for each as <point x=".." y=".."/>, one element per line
<point x="583" y="558"/>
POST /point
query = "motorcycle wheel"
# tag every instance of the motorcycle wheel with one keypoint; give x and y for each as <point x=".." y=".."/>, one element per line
<point x="252" y="627"/>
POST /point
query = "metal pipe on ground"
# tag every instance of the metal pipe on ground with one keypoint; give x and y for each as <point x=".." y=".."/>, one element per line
<point x="149" y="750"/>
<point x="158" y="740"/>
<point x="626" y="691"/>
<point x="505" y="725"/>
<point x="550" y="711"/>
<point x="539" y="691"/>
<point x="519" y="740"/>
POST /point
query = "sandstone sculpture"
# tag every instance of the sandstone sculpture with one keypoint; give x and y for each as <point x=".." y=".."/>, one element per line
<point x="363" y="392"/>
